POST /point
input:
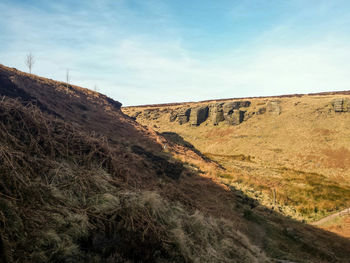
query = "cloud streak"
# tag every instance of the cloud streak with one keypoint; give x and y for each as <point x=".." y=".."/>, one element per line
<point x="144" y="53"/>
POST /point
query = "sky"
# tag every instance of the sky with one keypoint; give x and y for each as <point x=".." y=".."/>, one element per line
<point x="161" y="51"/>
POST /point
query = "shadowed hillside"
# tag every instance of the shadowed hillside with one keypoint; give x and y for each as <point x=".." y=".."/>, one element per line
<point x="82" y="182"/>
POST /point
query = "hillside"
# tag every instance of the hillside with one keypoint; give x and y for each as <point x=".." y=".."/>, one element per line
<point x="291" y="153"/>
<point x="83" y="182"/>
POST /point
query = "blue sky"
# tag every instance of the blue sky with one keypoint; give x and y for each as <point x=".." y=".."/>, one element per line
<point x="143" y="52"/>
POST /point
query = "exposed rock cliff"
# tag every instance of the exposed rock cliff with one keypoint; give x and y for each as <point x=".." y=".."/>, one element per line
<point x="198" y="115"/>
<point x="216" y="113"/>
<point x="232" y="112"/>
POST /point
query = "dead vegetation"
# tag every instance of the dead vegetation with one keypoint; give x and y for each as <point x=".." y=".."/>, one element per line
<point x="82" y="182"/>
<point x="303" y="152"/>
<point x="65" y="198"/>
<point x="339" y="225"/>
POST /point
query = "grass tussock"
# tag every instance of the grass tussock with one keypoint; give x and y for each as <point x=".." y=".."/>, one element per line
<point x="63" y="198"/>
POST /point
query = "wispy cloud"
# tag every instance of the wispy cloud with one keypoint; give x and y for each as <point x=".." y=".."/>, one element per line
<point x="142" y="52"/>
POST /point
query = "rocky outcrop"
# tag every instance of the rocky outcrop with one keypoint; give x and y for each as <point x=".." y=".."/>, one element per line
<point x="216" y="113"/>
<point x="228" y="108"/>
<point x="234" y="105"/>
<point x="232" y="113"/>
<point x="173" y="116"/>
<point x="235" y="118"/>
<point x="261" y="111"/>
<point x="273" y="106"/>
<point x="341" y="105"/>
<point x="198" y="115"/>
<point x="184" y="115"/>
<point x="151" y="114"/>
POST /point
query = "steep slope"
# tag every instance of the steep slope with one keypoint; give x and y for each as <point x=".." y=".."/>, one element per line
<point x="82" y="182"/>
<point x="65" y="197"/>
<point x="69" y="193"/>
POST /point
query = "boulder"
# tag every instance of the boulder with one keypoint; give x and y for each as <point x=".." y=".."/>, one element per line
<point x="341" y="105"/>
<point x="198" y="115"/>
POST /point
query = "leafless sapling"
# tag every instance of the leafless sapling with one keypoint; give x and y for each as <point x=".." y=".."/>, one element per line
<point x="30" y="60"/>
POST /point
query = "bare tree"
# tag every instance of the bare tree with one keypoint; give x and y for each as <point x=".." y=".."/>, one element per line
<point x="30" y="60"/>
<point x="67" y="76"/>
<point x="67" y="79"/>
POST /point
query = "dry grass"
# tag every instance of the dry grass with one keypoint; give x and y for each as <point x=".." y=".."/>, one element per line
<point x="65" y="198"/>
<point x="337" y="158"/>
<point x="73" y="189"/>
<point x="303" y="152"/>
<point x="339" y="225"/>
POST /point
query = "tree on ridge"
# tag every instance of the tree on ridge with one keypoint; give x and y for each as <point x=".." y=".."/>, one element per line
<point x="30" y="60"/>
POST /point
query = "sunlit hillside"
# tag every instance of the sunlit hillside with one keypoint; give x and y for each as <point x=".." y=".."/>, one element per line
<point x="290" y="153"/>
<point x="83" y="182"/>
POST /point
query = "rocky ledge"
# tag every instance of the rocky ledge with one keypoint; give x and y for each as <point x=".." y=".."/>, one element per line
<point x="232" y="112"/>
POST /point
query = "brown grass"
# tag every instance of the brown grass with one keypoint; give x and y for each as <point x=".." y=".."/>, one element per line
<point x="340" y="226"/>
<point x="74" y="189"/>
<point x="287" y="149"/>
<point x="66" y="197"/>
<point x="337" y="158"/>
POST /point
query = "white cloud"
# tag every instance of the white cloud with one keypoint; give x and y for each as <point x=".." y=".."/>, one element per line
<point x="269" y="71"/>
<point x="138" y="68"/>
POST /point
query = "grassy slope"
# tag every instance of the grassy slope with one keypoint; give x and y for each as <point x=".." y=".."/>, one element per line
<point x="339" y="225"/>
<point x="70" y="203"/>
<point x="73" y="189"/>
<point x="303" y="153"/>
<point x="73" y="193"/>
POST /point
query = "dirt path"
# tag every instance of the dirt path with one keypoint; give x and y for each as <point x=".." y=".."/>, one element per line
<point x="327" y="218"/>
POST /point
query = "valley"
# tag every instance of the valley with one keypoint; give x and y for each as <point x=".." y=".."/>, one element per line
<point x="174" y="131"/>
<point x="291" y="153"/>
<point x="81" y="181"/>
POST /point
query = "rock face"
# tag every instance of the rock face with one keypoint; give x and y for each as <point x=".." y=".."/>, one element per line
<point x="198" y="115"/>
<point x="341" y="105"/>
<point x="216" y="113"/>
<point x="235" y="118"/>
<point x="184" y="115"/>
<point x="151" y="114"/>
<point x="232" y="113"/>
<point x="274" y="107"/>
